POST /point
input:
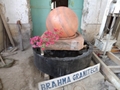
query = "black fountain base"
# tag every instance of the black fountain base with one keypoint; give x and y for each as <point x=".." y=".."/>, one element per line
<point x="57" y="63"/>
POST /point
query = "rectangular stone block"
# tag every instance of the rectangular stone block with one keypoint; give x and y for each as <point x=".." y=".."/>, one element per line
<point x="76" y="43"/>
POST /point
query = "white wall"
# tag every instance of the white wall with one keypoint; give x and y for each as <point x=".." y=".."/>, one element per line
<point x="15" y="10"/>
<point x="92" y="17"/>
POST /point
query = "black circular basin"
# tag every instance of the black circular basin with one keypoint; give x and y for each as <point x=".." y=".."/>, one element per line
<point x="58" y="63"/>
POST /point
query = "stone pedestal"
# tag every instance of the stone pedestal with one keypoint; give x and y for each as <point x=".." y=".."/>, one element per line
<point x="76" y="43"/>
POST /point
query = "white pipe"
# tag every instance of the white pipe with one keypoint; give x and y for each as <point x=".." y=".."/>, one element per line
<point x="110" y="33"/>
<point x="113" y="22"/>
<point x="55" y="4"/>
<point x="104" y="18"/>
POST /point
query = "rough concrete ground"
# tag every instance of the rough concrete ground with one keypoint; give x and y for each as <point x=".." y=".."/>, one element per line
<point x="23" y="75"/>
<point x="90" y="83"/>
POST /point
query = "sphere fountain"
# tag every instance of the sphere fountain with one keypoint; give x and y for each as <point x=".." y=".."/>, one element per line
<point x="70" y="53"/>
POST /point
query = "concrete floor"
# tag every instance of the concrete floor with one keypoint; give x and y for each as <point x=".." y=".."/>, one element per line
<point x="23" y="75"/>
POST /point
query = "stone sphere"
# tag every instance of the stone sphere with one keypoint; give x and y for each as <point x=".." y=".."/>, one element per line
<point x="64" y="20"/>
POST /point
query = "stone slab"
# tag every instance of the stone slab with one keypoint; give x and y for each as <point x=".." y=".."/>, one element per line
<point x="76" y="43"/>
